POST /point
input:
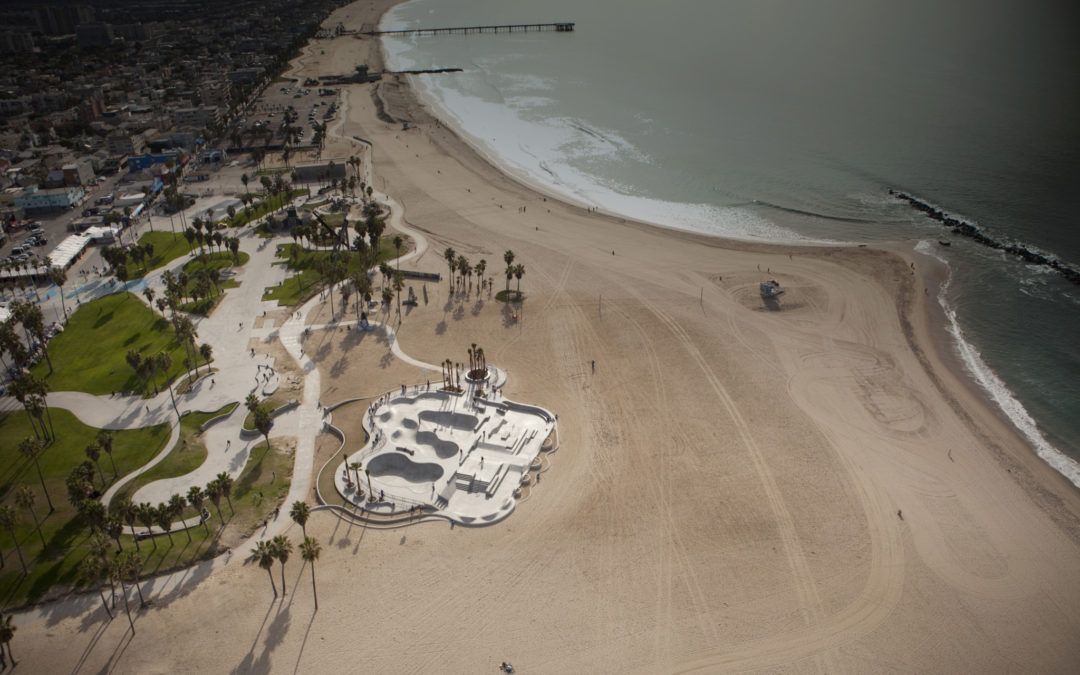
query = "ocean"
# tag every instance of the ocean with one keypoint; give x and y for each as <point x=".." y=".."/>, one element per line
<point x="789" y="121"/>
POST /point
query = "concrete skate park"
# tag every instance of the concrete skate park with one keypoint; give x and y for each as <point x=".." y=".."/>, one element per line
<point x="461" y="454"/>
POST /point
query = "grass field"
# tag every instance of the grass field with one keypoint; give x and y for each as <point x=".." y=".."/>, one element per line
<point x="218" y="261"/>
<point x="270" y="404"/>
<point x="267" y="205"/>
<point x="167" y="247"/>
<point x="510" y="296"/>
<point x="260" y="487"/>
<point x="309" y="280"/>
<point x="90" y="354"/>
<point x="63" y="532"/>
<point x="188" y="454"/>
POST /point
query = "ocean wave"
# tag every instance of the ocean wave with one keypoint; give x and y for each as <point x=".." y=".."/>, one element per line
<point x="994" y="386"/>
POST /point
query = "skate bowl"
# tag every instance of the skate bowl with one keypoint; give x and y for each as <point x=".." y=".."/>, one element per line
<point x="395" y="464"/>
<point x="444" y="449"/>
<point x="453" y="420"/>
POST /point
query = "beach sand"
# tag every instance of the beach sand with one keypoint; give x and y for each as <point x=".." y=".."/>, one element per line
<point x="814" y="488"/>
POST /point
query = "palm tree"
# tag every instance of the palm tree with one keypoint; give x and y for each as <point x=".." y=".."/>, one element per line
<point x="163" y="519"/>
<point x="132" y="566"/>
<point x="145" y="512"/>
<point x="398" y="242"/>
<point x="265" y="424"/>
<point x="480" y="268"/>
<point x="30" y="448"/>
<point x="226" y="482"/>
<point x="90" y="570"/>
<point x="206" y="351"/>
<point x="356" y="466"/>
<point x="117" y="573"/>
<point x="282" y="548"/>
<point x="508" y="257"/>
<point x="309" y="551"/>
<point x="121" y="506"/>
<point x="300" y="512"/>
<point x="114" y="527"/>
<point x="177" y="504"/>
<point x="450" y="256"/>
<point x="24" y="499"/>
<point x="264" y="556"/>
<point x="105" y="442"/>
<point x="519" y="271"/>
<point x="196" y="497"/>
<point x="163" y="361"/>
<point x="59" y="277"/>
<point x="245" y="180"/>
<point x="8" y="521"/>
<point x="399" y="285"/>
<point x="213" y="492"/>
<point x="7" y="632"/>
<point x="93" y="453"/>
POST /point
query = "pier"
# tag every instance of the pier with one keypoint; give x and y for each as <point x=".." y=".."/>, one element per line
<point x="560" y="27"/>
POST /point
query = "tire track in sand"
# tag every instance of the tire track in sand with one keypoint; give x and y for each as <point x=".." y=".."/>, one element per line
<point x="809" y="600"/>
<point x="881" y="591"/>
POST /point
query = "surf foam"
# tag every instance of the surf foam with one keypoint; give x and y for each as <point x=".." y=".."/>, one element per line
<point x="993" y="385"/>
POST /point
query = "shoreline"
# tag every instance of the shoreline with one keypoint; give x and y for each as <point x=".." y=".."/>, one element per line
<point x="735" y="488"/>
<point x="948" y="349"/>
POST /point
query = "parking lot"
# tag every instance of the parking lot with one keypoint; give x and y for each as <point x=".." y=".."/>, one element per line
<point x="309" y="104"/>
<point x="54" y="226"/>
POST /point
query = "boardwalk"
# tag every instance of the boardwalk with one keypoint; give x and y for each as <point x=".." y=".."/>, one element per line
<point x="559" y="27"/>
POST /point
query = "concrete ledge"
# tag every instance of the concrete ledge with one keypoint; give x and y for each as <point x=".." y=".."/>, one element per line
<point x="214" y="420"/>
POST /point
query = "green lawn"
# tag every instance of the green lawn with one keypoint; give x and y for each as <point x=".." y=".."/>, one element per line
<point x="64" y="534"/>
<point x="308" y="281"/>
<point x="189" y="454"/>
<point x="510" y="296"/>
<point x="167" y="247"/>
<point x="267" y="205"/>
<point x="90" y="354"/>
<point x="270" y="404"/>
<point x="261" y="486"/>
<point x="219" y="261"/>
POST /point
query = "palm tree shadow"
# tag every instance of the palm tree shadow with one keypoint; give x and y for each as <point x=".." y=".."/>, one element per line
<point x="303" y="643"/>
<point x="94" y="639"/>
<point x="508" y="319"/>
<point x="121" y="647"/>
<point x="459" y="313"/>
<point x="248" y="663"/>
<point x="477" y="306"/>
<point x="338" y="369"/>
<point x="440" y="327"/>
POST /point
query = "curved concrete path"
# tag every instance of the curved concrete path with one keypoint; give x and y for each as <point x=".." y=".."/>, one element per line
<point x="228" y="331"/>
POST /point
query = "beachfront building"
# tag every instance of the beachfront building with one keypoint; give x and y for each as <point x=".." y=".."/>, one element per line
<point x="34" y="200"/>
<point x="465" y="455"/>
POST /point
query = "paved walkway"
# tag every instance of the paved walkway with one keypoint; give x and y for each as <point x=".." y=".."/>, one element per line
<point x="228" y="331"/>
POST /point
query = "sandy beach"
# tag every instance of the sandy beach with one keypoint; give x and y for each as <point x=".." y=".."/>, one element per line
<point x="818" y="488"/>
